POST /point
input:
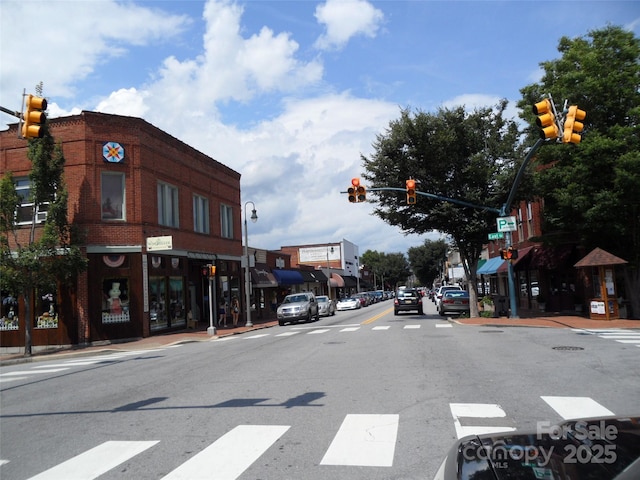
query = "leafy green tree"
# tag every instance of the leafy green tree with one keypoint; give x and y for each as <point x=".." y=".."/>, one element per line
<point x="590" y="190"/>
<point x="49" y="258"/>
<point x="389" y="269"/>
<point x="426" y="260"/>
<point x="470" y="157"/>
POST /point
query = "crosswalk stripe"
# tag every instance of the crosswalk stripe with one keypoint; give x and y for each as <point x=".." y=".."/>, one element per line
<point x="33" y="372"/>
<point x="95" y="462"/>
<point x="443" y="325"/>
<point x="260" y="335"/>
<point x="477" y="411"/>
<point x="350" y="329"/>
<point x="576" y="407"/>
<point x="382" y="327"/>
<point x="286" y="334"/>
<point x="230" y="455"/>
<point x="364" y="440"/>
<point x="321" y="330"/>
<point x="408" y="327"/>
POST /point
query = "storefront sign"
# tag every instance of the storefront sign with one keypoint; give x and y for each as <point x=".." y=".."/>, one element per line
<point x="159" y="243"/>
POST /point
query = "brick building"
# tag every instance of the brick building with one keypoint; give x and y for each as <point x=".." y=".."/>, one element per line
<point x="152" y="211"/>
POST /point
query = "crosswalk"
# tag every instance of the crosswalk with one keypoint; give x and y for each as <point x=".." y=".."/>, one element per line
<point x="362" y="440"/>
<point x="345" y="328"/>
<point x="620" y="335"/>
<point x="62" y="366"/>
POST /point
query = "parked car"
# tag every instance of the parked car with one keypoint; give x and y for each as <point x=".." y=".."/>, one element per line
<point x="407" y="299"/>
<point x="326" y="306"/>
<point x="349" y="303"/>
<point x="297" y="307"/>
<point x="454" y="301"/>
<point x="441" y="290"/>
<point x="365" y="300"/>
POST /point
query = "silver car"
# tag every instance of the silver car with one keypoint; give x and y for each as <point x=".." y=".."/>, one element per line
<point x="326" y="306"/>
<point x="297" y="307"/>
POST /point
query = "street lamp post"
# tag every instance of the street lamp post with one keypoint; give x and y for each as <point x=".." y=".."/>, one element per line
<point x="329" y="271"/>
<point x="247" y="278"/>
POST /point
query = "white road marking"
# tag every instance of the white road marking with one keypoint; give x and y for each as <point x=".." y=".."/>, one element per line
<point x="229" y="456"/>
<point x="382" y="327"/>
<point x="95" y="462"/>
<point x="321" y="330"/>
<point x="408" y="327"/>
<point x="364" y="440"/>
<point x="477" y="410"/>
<point x="443" y="325"/>
<point x="576" y="407"/>
<point x="350" y="329"/>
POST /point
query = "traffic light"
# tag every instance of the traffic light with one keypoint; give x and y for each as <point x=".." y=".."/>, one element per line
<point x="503" y="253"/>
<point x="208" y="270"/>
<point x="546" y="119"/>
<point x="34" y="117"/>
<point x="572" y="124"/>
<point x="351" y="191"/>
<point x="411" y="192"/>
<point x="356" y="192"/>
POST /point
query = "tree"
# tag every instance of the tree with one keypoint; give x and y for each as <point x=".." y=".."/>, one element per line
<point x="48" y="258"/>
<point x="426" y="260"/>
<point x="389" y="269"/>
<point x="590" y="190"/>
<point x="472" y="157"/>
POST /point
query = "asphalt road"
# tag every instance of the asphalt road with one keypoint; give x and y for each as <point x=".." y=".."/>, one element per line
<point x="361" y="395"/>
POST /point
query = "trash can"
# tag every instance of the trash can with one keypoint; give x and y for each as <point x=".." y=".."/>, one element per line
<point x="501" y="304"/>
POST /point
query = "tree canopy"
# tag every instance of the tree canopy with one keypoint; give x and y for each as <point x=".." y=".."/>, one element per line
<point x="590" y="190"/>
<point x="390" y="269"/>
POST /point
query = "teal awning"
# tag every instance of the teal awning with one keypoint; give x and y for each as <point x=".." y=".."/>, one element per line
<point x="490" y="267"/>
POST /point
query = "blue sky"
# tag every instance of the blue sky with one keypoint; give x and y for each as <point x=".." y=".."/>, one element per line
<point x="287" y="93"/>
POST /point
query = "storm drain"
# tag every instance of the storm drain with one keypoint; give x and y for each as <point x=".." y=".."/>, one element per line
<point x="567" y="348"/>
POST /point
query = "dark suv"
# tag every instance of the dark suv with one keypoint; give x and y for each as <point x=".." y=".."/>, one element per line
<point x="407" y="299"/>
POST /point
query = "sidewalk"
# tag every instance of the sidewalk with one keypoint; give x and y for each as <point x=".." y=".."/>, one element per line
<point x="198" y="334"/>
<point x="549" y="320"/>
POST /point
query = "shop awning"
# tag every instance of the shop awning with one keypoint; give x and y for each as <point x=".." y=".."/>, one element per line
<point x="350" y="281"/>
<point x="261" y="277"/>
<point x="287" y="277"/>
<point x="490" y="267"/>
<point x="521" y="261"/>
<point x="336" y="281"/>
<point x="315" y="276"/>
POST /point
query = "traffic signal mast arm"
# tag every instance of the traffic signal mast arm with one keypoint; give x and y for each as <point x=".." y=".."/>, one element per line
<point x="437" y="197"/>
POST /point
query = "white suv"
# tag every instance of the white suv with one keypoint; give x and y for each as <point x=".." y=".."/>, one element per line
<point x="298" y="306"/>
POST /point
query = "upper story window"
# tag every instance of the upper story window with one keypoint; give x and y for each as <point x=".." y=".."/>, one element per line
<point x="112" y="198"/>
<point x="168" y="213"/>
<point x="226" y="221"/>
<point x="25" y="212"/>
<point x="200" y="214"/>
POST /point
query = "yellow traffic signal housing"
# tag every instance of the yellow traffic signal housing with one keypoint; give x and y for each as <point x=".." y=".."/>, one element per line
<point x="356" y="192"/>
<point x="34" y="117"/>
<point x="411" y="192"/>
<point x="361" y="193"/>
<point x="546" y="119"/>
<point x="573" y="125"/>
<point x="212" y="270"/>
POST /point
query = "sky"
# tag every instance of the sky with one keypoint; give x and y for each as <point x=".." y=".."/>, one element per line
<point x="289" y="94"/>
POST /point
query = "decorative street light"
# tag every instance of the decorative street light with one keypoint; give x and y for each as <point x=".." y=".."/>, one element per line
<point x="329" y="270"/>
<point x="247" y="278"/>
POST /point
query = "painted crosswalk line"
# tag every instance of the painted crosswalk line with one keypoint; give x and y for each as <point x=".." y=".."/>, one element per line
<point x="320" y="330"/>
<point x="382" y="327"/>
<point x="471" y="419"/>
<point x="364" y="440"/>
<point x="410" y="327"/>
<point x="443" y="325"/>
<point x="620" y="335"/>
<point x="229" y="456"/>
<point x="576" y="407"/>
<point x="95" y="462"/>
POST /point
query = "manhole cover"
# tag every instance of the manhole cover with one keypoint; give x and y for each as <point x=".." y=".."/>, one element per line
<point x="491" y="331"/>
<point x="567" y="347"/>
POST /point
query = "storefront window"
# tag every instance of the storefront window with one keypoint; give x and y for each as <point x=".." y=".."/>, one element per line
<point x="46" y="308"/>
<point x="9" y="313"/>
<point x="177" y="301"/>
<point x="158" y="306"/>
<point x="115" y="300"/>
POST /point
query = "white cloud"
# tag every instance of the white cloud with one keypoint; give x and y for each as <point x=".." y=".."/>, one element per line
<point x="86" y="34"/>
<point x="346" y="19"/>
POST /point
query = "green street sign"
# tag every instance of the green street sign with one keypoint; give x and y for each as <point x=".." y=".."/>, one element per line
<point x="496" y="236"/>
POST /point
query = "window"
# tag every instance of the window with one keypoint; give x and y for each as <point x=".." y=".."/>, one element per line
<point x="25" y="212"/>
<point x="112" y="196"/>
<point x="226" y="221"/>
<point x="200" y="214"/>
<point x="168" y="205"/>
